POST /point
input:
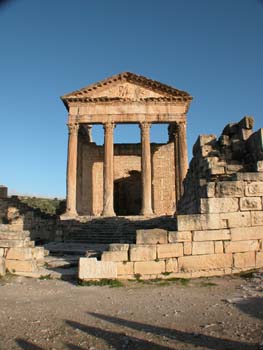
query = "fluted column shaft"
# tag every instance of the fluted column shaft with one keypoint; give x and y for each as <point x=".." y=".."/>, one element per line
<point x="182" y="153"/>
<point x="108" y="167"/>
<point x="72" y="168"/>
<point x="146" y="169"/>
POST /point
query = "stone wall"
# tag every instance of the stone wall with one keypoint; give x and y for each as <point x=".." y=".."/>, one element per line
<point x="18" y="253"/>
<point x="220" y="220"/>
<point x="20" y="216"/>
<point x="127" y="172"/>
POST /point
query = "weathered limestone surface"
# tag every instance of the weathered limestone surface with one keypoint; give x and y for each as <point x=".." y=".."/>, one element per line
<point x="220" y="225"/>
<point x="204" y="262"/>
<point x="91" y="268"/>
<point x="153" y="236"/>
<point x="211" y="235"/>
<point x="171" y="250"/>
<point x="246" y="260"/>
<point x="115" y="256"/>
<point x="142" y="252"/>
<point x="149" y="267"/>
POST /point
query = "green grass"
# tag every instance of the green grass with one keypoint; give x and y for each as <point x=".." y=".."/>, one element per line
<point x="103" y="282"/>
<point x="207" y="284"/>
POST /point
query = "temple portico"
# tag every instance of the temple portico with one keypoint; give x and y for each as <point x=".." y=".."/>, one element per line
<point x="99" y="179"/>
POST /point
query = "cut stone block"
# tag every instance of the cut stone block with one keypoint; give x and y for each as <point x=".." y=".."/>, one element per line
<point x="230" y="189"/>
<point x="218" y="205"/>
<point x="201" y="248"/>
<point x="217" y="170"/>
<point x="247" y="259"/>
<point x="91" y="268"/>
<point x="204" y="262"/>
<point x="254" y="189"/>
<point x="125" y="268"/>
<point x="251" y="203"/>
<point x="142" y="252"/>
<point x="257" y="218"/>
<point x="21" y="266"/>
<point x="170" y="250"/>
<point x="115" y="256"/>
<point x="246" y="233"/>
<point x="115" y="247"/>
<point x="2" y="266"/>
<point x="259" y="259"/>
<point x="2" y="251"/>
<point x="235" y="219"/>
<point x="219" y="247"/>
<point x="13" y="235"/>
<point x="149" y="267"/>
<point x="14" y="243"/>
<point x="38" y="253"/>
<point x="198" y="222"/>
<point x="187" y="248"/>
<point x="171" y="265"/>
<point x="19" y="254"/>
<point x="241" y="246"/>
<point x="249" y="176"/>
<point x="208" y="190"/>
<point x="211" y="235"/>
<point x="179" y="236"/>
<point x="151" y="236"/>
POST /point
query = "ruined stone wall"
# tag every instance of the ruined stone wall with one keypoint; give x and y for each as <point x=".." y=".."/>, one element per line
<point x="18" y="253"/>
<point x="127" y="159"/>
<point x="220" y="225"/>
<point x="20" y="216"/>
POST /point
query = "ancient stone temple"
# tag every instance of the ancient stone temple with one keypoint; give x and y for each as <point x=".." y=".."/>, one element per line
<point x="125" y="179"/>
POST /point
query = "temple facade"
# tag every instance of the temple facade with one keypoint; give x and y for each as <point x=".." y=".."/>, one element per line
<point x="125" y="179"/>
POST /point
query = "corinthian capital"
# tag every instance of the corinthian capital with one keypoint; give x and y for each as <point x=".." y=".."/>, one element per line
<point x="145" y="126"/>
<point x="108" y="126"/>
<point x="73" y="128"/>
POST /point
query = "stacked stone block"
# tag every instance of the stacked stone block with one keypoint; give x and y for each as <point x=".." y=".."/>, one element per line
<point x="220" y="219"/>
<point x="18" y="253"/>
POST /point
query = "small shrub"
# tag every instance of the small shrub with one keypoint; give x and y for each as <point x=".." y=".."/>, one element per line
<point x="103" y="282"/>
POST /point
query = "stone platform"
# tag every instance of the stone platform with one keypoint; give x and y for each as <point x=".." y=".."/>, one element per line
<point x="101" y="230"/>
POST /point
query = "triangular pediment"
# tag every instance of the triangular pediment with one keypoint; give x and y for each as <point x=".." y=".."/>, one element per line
<point x="126" y="86"/>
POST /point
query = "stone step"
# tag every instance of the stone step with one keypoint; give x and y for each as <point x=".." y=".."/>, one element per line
<point x="64" y="261"/>
<point x="58" y="273"/>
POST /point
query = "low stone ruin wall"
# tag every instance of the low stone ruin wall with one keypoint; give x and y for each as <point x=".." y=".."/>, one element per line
<point x="18" y="253"/>
<point x="20" y="216"/>
<point x="220" y="221"/>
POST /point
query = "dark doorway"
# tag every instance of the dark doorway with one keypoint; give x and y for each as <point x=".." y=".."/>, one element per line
<point x="127" y="194"/>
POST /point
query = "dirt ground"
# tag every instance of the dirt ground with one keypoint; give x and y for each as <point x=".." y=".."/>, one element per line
<point x="215" y="313"/>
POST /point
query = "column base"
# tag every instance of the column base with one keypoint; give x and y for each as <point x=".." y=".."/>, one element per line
<point x="70" y="214"/>
<point x="108" y="213"/>
<point x="147" y="212"/>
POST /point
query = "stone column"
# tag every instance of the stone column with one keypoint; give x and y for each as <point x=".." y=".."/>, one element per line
<point x="108" y="167"/>
<point x="72" y="169"/>
<point x="146" y="169"/>
<point x="182" y="153"/>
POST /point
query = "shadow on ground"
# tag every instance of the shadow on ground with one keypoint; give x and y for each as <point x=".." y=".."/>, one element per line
<point x="120" y="339"/>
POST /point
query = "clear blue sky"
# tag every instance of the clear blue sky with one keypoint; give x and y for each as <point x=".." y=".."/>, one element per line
<point x="212" y="49"/>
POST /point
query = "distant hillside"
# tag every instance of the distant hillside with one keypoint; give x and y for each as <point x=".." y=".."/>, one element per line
<point x="51" y="206"/>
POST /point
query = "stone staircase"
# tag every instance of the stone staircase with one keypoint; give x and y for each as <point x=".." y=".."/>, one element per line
<point x="111" y="230"/>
